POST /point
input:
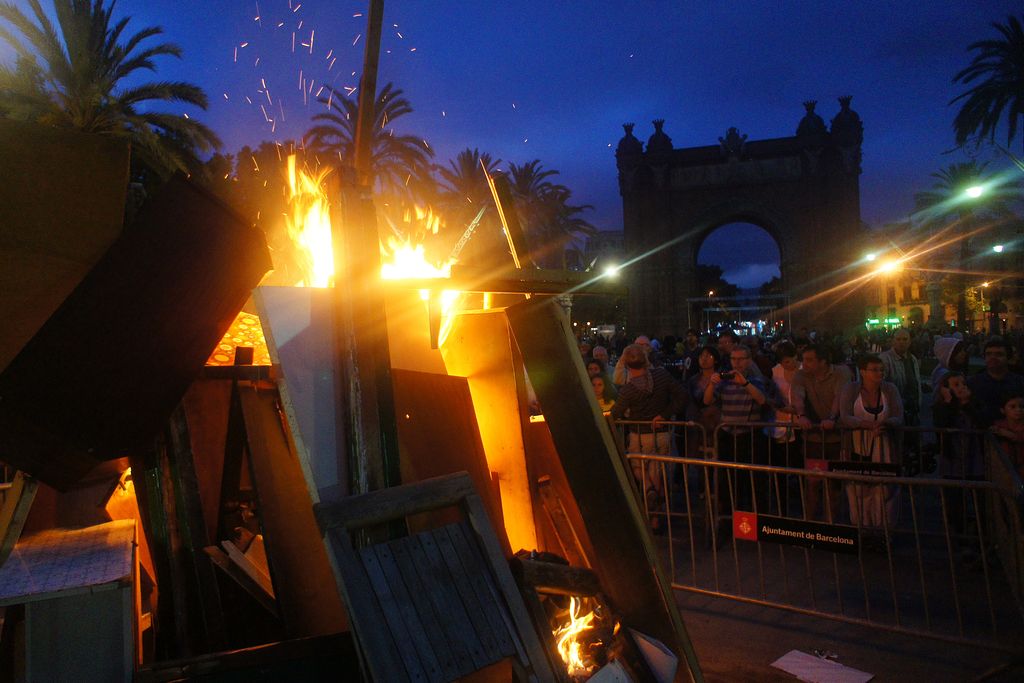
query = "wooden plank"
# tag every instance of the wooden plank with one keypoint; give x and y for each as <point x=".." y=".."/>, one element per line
<point x="239" y="559"/>
<point x="480" y="581"/>
<point x="446" y="599"/>
<point x="394" y="503"/>
<point x="624" y="555"/>
<point x="101" y="377"/>
<point x="376" y="641"/>
<point x="491" y="373"/>
<point x="194" y="537"/>
<point x="537" y="660"/>
<point x="429" y="642"/>
<point x="558" y="579"/>
<point x="254" y="588"/>
<point x="434" y="618"/>
<point x="17" y="503"/>
<point x="305" y="659"/>
<point x="568" y="541"/>
<point x="207" y="404"/>
<point x="476" y="610"/>
<point x="304" y="583"/>
<point x="401" y="619"/>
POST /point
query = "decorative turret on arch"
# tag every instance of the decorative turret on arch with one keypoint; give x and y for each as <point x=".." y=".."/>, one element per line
<point x="804" y="190"/>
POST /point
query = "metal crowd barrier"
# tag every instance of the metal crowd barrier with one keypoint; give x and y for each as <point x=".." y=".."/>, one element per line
<point x="760" y="518"/>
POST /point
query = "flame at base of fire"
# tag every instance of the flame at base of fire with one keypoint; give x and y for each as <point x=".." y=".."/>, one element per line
<point x="567" y="639"/>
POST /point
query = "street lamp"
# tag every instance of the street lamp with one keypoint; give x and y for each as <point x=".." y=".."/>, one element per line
<point x="998" y="249"/>
<point x="974" y="191"/>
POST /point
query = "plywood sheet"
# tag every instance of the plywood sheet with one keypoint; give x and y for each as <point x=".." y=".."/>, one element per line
<point x="438" y="435"/>
<point x="62" y="203"/>
<point x="107" y="369"/>
<point x="298" y="323"/>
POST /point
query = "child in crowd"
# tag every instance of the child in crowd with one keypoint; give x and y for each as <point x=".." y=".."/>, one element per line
<point x="598" y="383"/>
<point x="1010" y="430"/>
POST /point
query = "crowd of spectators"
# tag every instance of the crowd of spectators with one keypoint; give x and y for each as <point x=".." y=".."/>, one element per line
<point x="846" y="394"/>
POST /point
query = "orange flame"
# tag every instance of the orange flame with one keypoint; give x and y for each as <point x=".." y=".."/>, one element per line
<point x="309" y="226"/>
<point x="405" y="260"/>
<point x="567" y="638"/>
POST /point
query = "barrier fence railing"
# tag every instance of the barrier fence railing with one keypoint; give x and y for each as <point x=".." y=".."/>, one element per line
<point x="879" y="537"/>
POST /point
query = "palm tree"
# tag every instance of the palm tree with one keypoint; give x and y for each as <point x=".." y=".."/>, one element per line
<point x="548" y="218"/>
<point x="71" y="76"/>
<point x="998" y="68"/>
<point x="464" y="186"/>
<point x="461" y="194"/>
<point x="400" y="164"/>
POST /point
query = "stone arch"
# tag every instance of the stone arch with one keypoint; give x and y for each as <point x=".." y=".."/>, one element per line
<point x="763" y="216"/>
<point x="803" y="190"/>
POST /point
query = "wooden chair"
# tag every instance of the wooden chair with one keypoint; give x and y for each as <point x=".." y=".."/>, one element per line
<point x="436" y="605"/>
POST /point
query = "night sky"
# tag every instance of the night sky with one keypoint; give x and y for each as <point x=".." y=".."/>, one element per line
<point x="555" y="80"/>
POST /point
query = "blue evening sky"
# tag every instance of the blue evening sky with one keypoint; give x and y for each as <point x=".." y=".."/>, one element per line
<point x="555" y="80"/>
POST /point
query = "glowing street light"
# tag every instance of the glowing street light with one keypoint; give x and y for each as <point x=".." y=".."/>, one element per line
<point x="998" y="249"/>
<point x="974" y="191"/>
<point x="870" y="257"/>
<point x="611" y="271"/>
<point x="711" y="292"/>
<point x="888" y="267"/>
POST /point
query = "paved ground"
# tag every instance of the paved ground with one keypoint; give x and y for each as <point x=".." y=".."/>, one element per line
<point x="738" y="642"/>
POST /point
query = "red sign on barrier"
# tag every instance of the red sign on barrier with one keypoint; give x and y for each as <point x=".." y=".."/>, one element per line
<point x="816" y="464"/>
<point x="744" y="525"/>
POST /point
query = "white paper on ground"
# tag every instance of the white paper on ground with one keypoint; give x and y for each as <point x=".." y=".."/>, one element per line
<point x="662" y="661"/>
<point x="817" y="670"/>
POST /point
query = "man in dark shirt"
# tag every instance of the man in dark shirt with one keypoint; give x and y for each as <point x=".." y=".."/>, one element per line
<point x="691" y="351"/>
<point x="990" y="386"/>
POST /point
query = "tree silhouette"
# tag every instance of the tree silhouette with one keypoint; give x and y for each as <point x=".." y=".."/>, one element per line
<point x="997" y="72"/>
<point x="548" y="218"/>
<point x="73" y="75"/>
<point x="399" y="164"/>
<point x="710" y="278"/>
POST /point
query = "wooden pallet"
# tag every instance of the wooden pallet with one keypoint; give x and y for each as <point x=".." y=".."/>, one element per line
<point x="436" y="605"/>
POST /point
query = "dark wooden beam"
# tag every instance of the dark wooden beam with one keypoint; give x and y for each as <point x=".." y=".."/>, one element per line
<point x="624" y="558"/>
